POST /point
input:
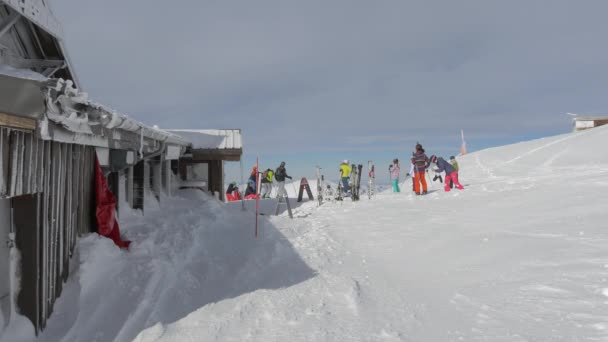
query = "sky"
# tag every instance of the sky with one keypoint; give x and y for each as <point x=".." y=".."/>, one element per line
<point x="315" y="82"/>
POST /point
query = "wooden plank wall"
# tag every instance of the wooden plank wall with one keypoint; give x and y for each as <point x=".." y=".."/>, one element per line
<point x="62" y="177"/>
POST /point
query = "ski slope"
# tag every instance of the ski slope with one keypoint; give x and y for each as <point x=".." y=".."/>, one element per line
<point x="519" y="255"/>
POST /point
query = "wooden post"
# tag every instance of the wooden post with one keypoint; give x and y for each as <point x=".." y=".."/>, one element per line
<point x="167" y="173"/>
<point x="156" y="178"/>
<point x="130" y="184"/>
<point x="139" y="184"/>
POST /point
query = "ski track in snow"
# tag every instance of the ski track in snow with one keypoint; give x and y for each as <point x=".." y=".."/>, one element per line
<point x="519" y="255"/>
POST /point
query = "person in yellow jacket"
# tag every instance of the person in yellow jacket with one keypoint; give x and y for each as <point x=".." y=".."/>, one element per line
<point x="266" y="183"/>
<point x="345" y="170"/>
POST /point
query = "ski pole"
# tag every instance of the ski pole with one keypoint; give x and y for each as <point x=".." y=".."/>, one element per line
<point x="294" y="189"/>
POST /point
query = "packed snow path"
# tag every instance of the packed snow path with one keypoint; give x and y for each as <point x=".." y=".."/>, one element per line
<point x="519" y="255"/>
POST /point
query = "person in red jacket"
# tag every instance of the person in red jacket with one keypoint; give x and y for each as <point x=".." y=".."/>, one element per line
<point x="232" y="193"/>
<point x="421" y="162"/>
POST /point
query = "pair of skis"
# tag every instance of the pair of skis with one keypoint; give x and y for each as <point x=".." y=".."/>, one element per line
<point x="355" y="177"/>
<point x="371" y="183"/>
<point x="320" y="182"/>
<point x="340" y="189"/>
<point x="324" y="192"/>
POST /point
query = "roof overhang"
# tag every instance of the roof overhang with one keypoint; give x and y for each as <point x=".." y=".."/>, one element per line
<point x="588" y="118"/>
<point x="212" y="144"/>
<point x="202" y="154"/>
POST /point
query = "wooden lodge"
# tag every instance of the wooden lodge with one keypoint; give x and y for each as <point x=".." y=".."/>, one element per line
<point x="202" y="165"/>
<point x="50" y="136"/>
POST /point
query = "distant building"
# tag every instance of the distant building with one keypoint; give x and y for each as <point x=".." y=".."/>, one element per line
<point x="202" y="166"/>
<point x="582" y="123"/>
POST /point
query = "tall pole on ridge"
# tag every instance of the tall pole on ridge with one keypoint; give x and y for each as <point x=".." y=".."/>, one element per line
<point x="257" y="197"/>
<point x="463" y="148"/>
<point x="242" y="193"/>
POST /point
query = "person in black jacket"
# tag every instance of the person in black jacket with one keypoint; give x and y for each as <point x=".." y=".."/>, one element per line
<point x="280" y="174"/>
<point x="451" y="175"/>
<point x="250" y="188"/>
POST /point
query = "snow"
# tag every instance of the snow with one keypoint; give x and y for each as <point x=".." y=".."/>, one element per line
<point x="519" y="255"/>
<point x="211" y="138"/>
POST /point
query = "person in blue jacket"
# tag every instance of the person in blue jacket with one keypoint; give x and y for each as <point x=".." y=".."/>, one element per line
<point x="451" y="175"/>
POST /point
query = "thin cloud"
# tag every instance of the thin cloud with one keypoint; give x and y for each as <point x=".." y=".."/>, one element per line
<point x="303" y="75"/>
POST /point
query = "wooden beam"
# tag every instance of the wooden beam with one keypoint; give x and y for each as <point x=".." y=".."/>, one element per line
<point x="217" y="154"/>
<point x="14" y="121"/>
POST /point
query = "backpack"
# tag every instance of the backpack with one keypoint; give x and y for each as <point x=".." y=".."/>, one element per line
<point x="270" y="175"/>
<point x="279" y="174"/>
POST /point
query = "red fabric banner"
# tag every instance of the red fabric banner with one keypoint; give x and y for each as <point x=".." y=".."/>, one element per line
<point x="105" y="210"/>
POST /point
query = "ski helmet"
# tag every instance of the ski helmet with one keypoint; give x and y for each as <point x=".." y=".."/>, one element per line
<point x="433" y="159"/>
<point x="345" y="161"/>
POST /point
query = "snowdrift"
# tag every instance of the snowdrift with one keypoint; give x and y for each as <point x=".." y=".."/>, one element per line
<point x="193" y="253"/>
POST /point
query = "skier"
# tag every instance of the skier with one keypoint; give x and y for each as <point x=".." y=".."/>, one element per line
<point x="266" y="187"/>
<point x="345" y="171"/>
<point x="395" y="169"/>
<point x="411" y="174"/>
<point x="280" y="174"/>
<point x="437" y="176"/>
<point x="450" y="172"/>
<point x="232" y="193"/>
<point x="455" y="165"/>
<point x="250" y="191"/>
<point x="421" y="162"/>
<point x="253" y="177"/>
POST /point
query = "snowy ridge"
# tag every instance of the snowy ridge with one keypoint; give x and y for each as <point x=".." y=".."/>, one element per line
<point x="519" y="255"/>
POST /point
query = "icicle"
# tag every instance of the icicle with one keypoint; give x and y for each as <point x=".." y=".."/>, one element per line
<point x="141" y="143"/>
<point x="2" y="175"/>
<point x="15" y="274"/>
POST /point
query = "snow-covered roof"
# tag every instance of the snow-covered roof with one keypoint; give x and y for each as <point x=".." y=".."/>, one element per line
<point x="590" y="118"/>
<point x="57" y="102"/>
<point x="223" y="139"/>
<point x="73" y="110"/>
